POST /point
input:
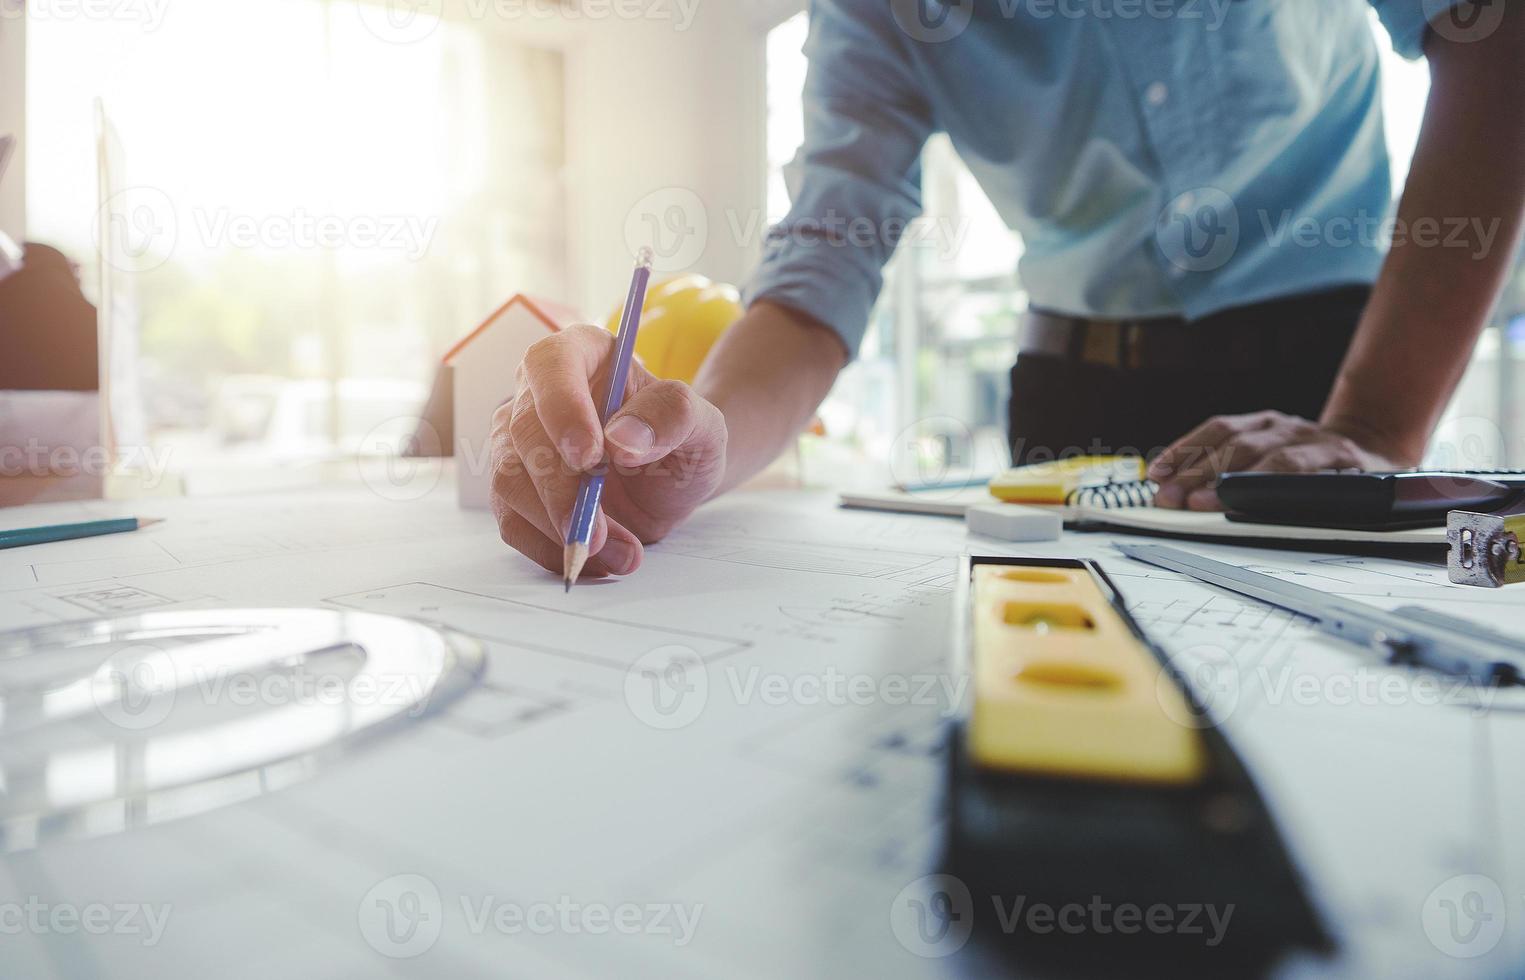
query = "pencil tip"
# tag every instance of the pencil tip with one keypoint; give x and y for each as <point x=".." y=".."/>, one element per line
<point x="149" y="521"/>
<point x="573" y="559"/>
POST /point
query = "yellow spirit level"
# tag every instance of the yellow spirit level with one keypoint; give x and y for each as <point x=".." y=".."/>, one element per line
<point x="1062" y="685"/>
<point x="1085" y="771"/>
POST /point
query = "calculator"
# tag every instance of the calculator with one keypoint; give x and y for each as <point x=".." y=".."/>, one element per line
<point x="1368" y="501"/>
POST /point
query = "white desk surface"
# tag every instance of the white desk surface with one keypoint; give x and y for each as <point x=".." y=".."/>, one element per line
<point x="789" y="825"/>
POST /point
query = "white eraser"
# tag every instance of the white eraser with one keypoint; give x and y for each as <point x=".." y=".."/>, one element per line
<point x="1014" y="522"/>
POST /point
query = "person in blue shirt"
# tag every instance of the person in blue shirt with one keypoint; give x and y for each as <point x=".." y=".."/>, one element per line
<point x="1216" y="276"/>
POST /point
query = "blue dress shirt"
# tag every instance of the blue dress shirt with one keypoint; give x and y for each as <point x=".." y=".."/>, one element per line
<point x="1158" y="157"/>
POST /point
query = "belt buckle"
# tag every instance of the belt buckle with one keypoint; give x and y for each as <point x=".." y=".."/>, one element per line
<point x="1103" y="343"/>
<point x="1129" y="344"/>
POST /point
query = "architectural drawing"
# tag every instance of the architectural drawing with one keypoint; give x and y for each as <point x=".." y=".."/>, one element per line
<point x="795" y="819"/>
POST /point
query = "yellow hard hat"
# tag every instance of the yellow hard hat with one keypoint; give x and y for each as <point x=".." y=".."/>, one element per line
<point x="680" y="321"/>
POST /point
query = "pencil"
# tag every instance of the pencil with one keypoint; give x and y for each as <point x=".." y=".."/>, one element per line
<point x="23" y="537"/>
<point x="591" y="489"/>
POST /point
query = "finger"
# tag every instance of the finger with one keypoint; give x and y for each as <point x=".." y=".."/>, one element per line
<point x="1204" y="498"/>
<point x="514" y="495"/>
<point x="1208" y="435"/>
<point x="1188" y="460"/>
<point x="560" y="371"/>
<point x="526" y="533"/>
<point x="1244" y="452"/>
<point x="1305" y="458"/>
<point x="554" y="481"/>
<point x="555" y="488"/>
<point x="527" y="539"/>
<point x="1300" y="457"/>
<point x="1170" y="460"/>
<point x="1203" y="474"/>
<point x="522" y="520"/>
<point x="514" y="485"/>
<point x="504" y="463"/>
<point x="1198" y="472"/>
<point x="657" y="420"/>
<point x="1229" y="443"/>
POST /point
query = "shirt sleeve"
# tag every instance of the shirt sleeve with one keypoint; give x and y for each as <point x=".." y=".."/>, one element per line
<point x="1407" y="21"/>
<point x="856" y="182"/>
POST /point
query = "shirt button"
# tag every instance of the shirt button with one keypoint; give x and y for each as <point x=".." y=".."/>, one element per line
<point x="1157" y="93"/>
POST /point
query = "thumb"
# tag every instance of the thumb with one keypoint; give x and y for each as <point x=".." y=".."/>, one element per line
<point x="661" y="417"/>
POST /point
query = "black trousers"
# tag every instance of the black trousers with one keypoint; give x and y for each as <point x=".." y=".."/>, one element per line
<point x="1064" y="406"/>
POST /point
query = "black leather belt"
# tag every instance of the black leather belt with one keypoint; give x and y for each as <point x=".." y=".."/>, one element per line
<point x="1154" y="343"/>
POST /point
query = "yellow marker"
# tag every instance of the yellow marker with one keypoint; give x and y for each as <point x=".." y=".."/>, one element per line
<point x="1052" y="483"/>
<point x="1063" y="687"/>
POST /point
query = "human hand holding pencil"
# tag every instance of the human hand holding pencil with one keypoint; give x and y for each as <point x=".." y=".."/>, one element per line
<point x="659" y="450"/>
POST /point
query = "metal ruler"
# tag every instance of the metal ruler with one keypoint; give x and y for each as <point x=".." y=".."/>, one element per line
<point x="1408" y="635"/>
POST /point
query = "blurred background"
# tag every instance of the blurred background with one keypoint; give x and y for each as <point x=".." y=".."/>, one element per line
<point x="322" y="196"/>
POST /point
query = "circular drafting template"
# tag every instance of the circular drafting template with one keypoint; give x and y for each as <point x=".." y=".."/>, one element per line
<point x="110" y="724"/>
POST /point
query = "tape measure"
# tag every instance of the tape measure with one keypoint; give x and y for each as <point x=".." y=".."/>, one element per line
<point x="1484" y="549"/>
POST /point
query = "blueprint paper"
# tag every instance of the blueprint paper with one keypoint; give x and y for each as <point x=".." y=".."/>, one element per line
<point x="777" y="804"/>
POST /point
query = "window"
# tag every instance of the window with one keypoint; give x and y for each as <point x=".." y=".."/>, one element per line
<point x="949" y="304"/>
<point x="929" y="390"/>
<point x="323" y="211"/>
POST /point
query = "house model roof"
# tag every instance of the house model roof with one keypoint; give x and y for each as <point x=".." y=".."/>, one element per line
<point x="555" y="316"/>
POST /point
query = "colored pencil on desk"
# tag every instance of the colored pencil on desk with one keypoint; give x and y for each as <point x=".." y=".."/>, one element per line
<point x="22" y="537"/>
<point x="591" y="490"/>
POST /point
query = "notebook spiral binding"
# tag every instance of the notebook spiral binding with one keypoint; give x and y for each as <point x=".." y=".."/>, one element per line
<point x="1108" y="496"/>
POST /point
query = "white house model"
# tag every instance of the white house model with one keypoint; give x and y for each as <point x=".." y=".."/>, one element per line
<point x="484" y="365"/>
